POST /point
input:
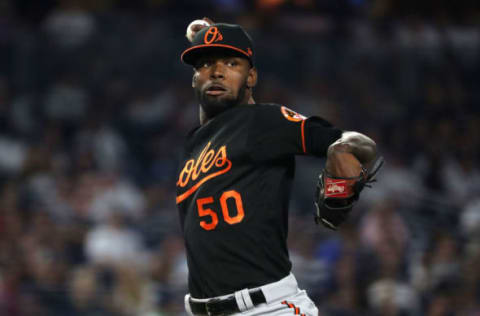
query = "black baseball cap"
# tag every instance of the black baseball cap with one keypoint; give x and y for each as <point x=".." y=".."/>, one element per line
<point x="220" y="36"/>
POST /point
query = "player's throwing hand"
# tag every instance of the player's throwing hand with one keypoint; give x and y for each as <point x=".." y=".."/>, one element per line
<point x="195" y="26"/>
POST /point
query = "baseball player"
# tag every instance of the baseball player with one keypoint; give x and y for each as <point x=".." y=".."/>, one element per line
<point x="235" y="179"/>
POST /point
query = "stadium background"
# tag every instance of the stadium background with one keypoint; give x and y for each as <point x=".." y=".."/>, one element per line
<point x="94" y="104"/>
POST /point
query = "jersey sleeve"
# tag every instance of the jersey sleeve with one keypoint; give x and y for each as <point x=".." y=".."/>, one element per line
<point x="277" y="132"/>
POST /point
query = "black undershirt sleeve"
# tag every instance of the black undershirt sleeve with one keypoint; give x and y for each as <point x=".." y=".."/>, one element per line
<point x="319" y="134"/>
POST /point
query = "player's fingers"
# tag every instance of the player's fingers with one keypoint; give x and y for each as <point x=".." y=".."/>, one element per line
<point x="208" y="20"/>
<point x="197" y="27"/>
<point x="343" y="164"/>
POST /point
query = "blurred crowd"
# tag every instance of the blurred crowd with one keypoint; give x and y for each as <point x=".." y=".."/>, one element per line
<point x="95" y="103"/>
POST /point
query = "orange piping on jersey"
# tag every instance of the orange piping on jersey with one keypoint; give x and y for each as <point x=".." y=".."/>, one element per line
<point x="296" y="310"/>
<point x="303" y="137"/>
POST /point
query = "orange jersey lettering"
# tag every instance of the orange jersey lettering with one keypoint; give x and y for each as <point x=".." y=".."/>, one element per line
<point x="199" y="169"/>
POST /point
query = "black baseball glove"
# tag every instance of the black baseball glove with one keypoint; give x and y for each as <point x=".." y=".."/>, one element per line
<point x="335" y="196"/>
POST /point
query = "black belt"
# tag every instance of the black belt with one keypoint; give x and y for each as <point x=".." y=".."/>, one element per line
<point x="226" y="306"/>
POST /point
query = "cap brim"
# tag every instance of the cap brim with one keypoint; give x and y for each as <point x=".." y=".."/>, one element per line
<point x="190" y="55"/>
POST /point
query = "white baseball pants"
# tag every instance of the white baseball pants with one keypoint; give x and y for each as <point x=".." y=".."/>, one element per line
<point x="283" y="297"/>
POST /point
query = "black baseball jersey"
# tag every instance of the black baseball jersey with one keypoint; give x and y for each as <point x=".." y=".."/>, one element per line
<point x="233" y="193"/>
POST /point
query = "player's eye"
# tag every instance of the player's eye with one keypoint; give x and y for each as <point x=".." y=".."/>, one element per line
<point x="231" y="63"/>
<point x="203" y="64"/>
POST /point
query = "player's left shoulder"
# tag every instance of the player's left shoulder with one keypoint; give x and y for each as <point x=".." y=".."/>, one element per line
<point x="281" y="111"/>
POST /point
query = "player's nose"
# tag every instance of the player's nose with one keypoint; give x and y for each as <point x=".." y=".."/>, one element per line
<point x="218" y="70"/>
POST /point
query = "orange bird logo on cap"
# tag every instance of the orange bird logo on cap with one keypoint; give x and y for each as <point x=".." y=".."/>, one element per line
<point x="212" y="35"/>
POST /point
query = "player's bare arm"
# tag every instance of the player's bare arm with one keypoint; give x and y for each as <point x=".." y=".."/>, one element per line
<point x="362" y="147"/>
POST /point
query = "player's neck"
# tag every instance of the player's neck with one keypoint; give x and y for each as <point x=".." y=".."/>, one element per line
<point x="204" y="118"/>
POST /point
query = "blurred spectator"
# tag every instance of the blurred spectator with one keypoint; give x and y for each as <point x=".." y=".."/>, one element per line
<point x="69" y="25"/>
<point x="384" y="231"/>
<point x="169" y="274"/>
<point x="86" y="293"/>
<point x="66" y="101"/>
<point x="310" y="272"/>
<point x="464" y="178"/>
<point x="160" y="218"/>
<point x="444" y="267"/>
<point x="115" y="195"/>
<point x="133" y="293"/>
<point x="388" y="297"/>
<point x="12" y="155"/>
<point x="108" y="148"/>
<point x="470" y="222"/>
<point x="114" y="244"/>
<point x="100" y="195"/>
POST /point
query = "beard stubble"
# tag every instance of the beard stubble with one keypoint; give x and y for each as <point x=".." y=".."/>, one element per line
<point x="213" y="106"/>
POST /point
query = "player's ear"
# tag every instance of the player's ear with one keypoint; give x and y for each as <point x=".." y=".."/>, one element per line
<point x="194" y="79"/>
<point x="252" y="77"/>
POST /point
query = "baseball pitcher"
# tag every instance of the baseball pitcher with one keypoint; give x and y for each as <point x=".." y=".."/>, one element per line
<point x="235" y="178"/>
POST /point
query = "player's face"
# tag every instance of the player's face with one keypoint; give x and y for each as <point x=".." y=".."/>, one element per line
<point x="222" y="81"/>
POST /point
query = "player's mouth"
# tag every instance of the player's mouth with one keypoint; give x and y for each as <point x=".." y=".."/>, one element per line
<point x="215" y="89"/>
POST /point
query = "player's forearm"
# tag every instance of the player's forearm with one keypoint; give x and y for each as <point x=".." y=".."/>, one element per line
<point x="361" y="146"/>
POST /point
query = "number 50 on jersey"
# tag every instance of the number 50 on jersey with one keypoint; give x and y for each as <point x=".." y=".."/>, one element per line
<point x="210" y="220"/>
